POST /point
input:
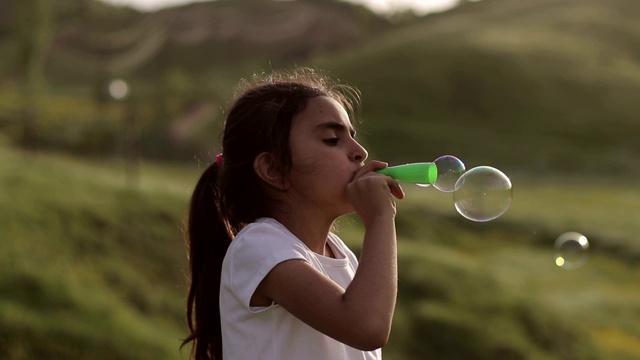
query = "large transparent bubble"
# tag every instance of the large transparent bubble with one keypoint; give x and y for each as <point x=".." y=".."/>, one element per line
<point x="483" y="194"/>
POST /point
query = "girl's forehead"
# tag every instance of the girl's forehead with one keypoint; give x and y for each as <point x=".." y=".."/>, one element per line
<point x="324" y="108"/>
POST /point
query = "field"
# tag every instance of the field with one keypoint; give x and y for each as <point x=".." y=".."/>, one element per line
<point x="90" y="268"/>
<point x="93" y="266"/>
<point x="492" y="290"/>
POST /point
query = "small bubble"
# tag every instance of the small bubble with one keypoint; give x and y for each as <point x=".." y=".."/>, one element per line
<point x="450" y="168"/>
<point x="571" y="250"/>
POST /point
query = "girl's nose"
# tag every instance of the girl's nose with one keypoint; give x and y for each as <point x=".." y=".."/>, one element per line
<point x="359" y="154"/>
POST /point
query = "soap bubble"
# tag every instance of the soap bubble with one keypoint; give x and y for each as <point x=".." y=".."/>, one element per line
<point x="483" y="194"/>
<point x="571" y="250"/>
<point x="450" y="168"/>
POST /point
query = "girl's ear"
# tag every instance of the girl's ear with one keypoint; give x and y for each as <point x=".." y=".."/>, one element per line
<point x="267" y="169"/>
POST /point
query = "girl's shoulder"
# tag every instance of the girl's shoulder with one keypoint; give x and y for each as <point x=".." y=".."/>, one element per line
<point x="263" y="227"/>
<point x="263" y="239"/>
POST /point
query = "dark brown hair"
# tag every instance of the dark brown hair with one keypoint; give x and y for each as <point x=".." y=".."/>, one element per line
<point x="228" y="197"/>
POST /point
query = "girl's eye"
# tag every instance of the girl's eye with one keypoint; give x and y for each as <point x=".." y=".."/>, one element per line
<point x="331" y="141"/>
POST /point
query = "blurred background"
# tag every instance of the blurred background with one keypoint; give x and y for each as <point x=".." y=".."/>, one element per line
<point x="109" y="111"/>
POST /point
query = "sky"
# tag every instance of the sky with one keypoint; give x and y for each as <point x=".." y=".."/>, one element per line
<point x="419" y="6"/>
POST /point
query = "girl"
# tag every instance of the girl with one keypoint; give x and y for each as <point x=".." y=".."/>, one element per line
<point x="269" y="280"/>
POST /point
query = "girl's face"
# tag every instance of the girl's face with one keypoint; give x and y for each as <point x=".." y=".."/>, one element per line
<point x="325" y="156"/>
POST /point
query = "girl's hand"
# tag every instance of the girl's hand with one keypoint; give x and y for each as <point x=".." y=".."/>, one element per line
<point x="371" y="194"/>
<point x="360" y="315"/>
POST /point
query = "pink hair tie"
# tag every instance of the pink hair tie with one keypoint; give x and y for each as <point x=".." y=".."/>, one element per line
<point x="219" y="159"/>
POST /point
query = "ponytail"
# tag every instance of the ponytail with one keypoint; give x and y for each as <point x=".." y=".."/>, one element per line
<point x="207" y="240"/>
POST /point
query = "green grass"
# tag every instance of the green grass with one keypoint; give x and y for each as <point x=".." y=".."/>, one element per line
<point x="90" y="267"/>
<point x="492" y="290"/>
<point x="93" y="268"/>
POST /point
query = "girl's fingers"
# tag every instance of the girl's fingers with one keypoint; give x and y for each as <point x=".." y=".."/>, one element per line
<point x="369" y="170"/>
<point x="395" y="188"/>
<point x="370" y="166"/>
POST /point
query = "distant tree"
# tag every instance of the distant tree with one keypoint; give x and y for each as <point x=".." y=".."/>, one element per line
<point x="33" y="35"/>
<point x="6" y="10"/>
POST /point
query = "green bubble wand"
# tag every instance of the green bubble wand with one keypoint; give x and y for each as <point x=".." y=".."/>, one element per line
<point x="417" y="173"/>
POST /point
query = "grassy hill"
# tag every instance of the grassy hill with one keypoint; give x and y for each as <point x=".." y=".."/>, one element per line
<point x="92" y="268"/>
<point x="538" y="87"/>
<point x="92" y="38"/>
<point x="175" y="61"/>
<point x="544" y="86"/>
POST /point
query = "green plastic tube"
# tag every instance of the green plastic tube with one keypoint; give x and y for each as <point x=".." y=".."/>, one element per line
<point x="417" y="173"/>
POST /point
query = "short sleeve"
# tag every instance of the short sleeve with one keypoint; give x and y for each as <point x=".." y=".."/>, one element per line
<point x="252" y="255"/>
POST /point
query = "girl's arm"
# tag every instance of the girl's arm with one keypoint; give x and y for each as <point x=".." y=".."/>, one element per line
<point x="361" y="315"/>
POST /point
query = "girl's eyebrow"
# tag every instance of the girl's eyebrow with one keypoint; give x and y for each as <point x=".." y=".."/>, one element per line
<point x="335" y="125"/>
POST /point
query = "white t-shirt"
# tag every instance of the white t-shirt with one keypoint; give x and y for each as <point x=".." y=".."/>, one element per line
<point x="272" y="333"/>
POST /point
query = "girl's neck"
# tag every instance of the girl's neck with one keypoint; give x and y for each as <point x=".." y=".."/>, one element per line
<point x="312" y="231"/>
